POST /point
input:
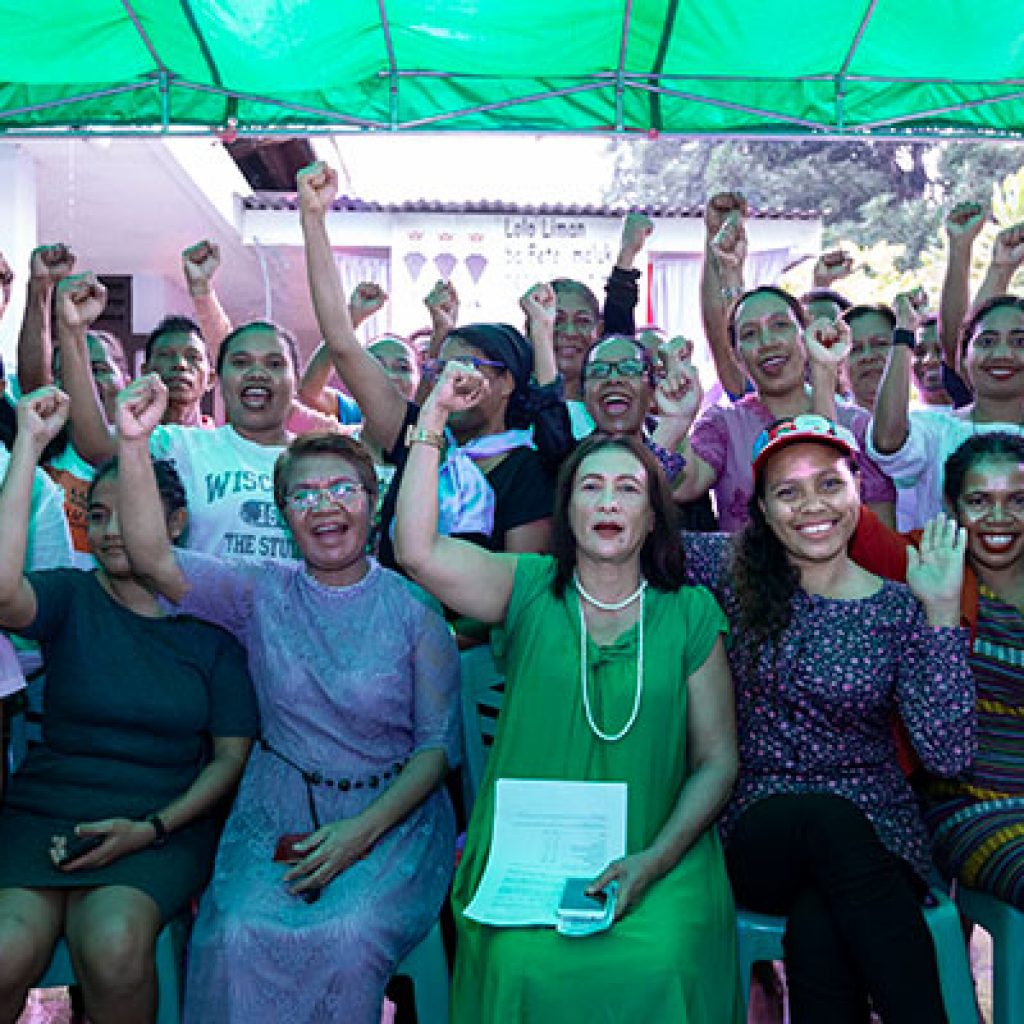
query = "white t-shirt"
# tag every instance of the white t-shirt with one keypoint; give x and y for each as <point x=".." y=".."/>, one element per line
<point x="229" y="482"/>
<point x="917" y="468"/>
<point x="49" y="541"/>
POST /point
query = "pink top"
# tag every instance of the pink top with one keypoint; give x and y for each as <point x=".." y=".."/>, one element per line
<point x="724" y="438"/>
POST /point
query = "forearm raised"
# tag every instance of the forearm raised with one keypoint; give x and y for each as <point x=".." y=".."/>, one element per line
<point x="143" y="520"/>
<point x="92" y="435"/>
<point x="35" y="346"/>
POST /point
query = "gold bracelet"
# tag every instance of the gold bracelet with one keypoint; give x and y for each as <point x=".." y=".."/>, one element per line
<point x="416" y="434"/>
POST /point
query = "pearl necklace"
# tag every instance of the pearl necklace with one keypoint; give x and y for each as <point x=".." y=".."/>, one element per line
<point x="606" y="606"/>
<point x="611" y="607"/>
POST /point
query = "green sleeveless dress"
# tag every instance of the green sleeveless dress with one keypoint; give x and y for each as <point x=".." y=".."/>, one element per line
<point x="673" y="957"/>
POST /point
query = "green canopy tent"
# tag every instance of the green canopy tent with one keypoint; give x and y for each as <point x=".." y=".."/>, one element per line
<point x="896" y="68"/>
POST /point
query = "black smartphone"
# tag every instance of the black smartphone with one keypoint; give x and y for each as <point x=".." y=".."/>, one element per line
<point x="78" y="846"/>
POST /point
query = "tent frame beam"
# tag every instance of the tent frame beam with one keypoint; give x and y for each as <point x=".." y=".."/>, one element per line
<point x="620" y="73"/>
<point x="392" y="66"/>
<point x="742" y="108"/>
<point x="256" y="131"/>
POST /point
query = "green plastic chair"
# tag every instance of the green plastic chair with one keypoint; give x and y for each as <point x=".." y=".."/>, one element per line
<point x="427" y="968"/>
<point x="760" y="938"/>
<point x="1005" y="923"/>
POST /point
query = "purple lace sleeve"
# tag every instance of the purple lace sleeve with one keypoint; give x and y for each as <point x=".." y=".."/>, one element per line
<point x="218" y="591"/>
<point x="710" y="439"/>
<point x="437" y="718"/>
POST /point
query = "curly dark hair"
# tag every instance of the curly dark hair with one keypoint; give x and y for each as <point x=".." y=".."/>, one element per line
<point x="764" y="580"/>
<point x="662" y="562"/>
<point x="997" y="444"/>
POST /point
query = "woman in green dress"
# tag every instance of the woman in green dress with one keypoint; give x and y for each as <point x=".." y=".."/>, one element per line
<point x="615" y="671"/>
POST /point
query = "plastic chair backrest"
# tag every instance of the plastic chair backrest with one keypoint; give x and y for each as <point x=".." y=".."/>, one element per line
<point x="482" y="695"/>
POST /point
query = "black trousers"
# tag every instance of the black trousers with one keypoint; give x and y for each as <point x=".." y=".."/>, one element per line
<point x="855" y="927"/>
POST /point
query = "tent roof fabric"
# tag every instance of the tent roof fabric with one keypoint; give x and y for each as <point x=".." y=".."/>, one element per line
<point x="884" y="68"/>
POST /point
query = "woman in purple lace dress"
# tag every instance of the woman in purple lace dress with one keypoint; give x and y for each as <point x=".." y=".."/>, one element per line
<point x="357" y="681"/>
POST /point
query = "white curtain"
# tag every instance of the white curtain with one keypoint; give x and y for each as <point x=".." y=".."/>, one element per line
<point x="675" y="299"/>
<point x="358" y="265"/>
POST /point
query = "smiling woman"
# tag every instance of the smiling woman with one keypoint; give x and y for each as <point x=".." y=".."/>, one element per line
<point x="356" y="677"/>
<point x="976" y="819"/>
<point x="912" y="446"/>
<point x="822" y="826"/>
<point x="766" y="326"/>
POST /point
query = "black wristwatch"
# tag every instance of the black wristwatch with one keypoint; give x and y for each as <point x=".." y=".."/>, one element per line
<point x="162" y="835"/>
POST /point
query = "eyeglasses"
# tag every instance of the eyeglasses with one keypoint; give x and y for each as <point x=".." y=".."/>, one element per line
<point x="435" y="367"/>
<point x="603" y="369"/>
<point x="339" y="492"/>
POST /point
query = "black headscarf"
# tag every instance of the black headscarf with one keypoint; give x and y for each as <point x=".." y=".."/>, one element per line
<point x="504" y="344"/>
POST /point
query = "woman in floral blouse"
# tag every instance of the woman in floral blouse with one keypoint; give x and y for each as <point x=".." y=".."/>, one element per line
<point x="823" y="827"/>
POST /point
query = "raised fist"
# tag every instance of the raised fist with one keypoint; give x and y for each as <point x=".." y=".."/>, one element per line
<point x="636" y="229"/>
<point x="831" y="267"/>
<point x="81" y="300"/>
<point x="719" y="207"/>
<point x="729" y="243"/>
<point x="459" y="387"/>
<point x="51" y="263"/>
<point x="41" y="414"/>
<point x="442" y="304"/>
<point x="1008" y="250"/>
<point x="141" y="407"/>
<point x="676" y="348"/>
<point x="317" y="187"/>
<point x="367" y="299"/>
<point x="828" y="342"/>
<point x="908" y="307"/>
<point x="678" y="393"/>
<point x="539" y="305"/>
<point x="200" y="263"/>
<point x="965" y="221"/>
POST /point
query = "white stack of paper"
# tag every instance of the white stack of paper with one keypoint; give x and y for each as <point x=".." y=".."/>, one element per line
<point x="545" y="832"/>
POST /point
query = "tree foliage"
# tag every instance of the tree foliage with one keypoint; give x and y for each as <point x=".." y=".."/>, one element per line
<point x="869" y="194"/>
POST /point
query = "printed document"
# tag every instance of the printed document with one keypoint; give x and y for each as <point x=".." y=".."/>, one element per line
<point x="544" y="833"/>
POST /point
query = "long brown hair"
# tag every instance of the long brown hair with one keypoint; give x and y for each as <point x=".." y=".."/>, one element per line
<point x="661" y="556"/>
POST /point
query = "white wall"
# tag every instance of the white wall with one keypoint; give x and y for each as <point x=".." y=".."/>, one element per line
<point x="17" y="235"/>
